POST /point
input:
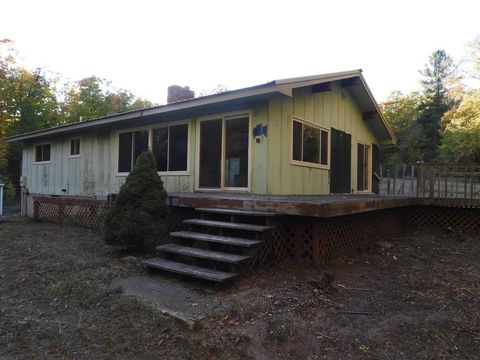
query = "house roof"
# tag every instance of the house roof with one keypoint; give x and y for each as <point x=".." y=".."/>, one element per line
<point x="352" y="80"/>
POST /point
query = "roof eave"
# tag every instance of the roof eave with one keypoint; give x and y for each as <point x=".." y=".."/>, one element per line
<point x="169" y="108"/>
<point x="377" y="108"/>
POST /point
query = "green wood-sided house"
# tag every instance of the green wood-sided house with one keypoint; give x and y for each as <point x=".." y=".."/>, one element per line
<point x="312" y="135"/>
<point x="246" y="172"/>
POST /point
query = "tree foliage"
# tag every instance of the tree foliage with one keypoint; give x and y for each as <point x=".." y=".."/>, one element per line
<point x="93" y="97"/>
<point x="434" y="104"/>
<point x="400" y="111"/>
<point x="461" y="134"/>
<point x="31" y="100"/>
<point x="416" y="119"/>
<point x="139" y="207"/>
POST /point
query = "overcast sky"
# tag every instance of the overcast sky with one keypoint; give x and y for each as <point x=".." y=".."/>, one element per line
<point x="144" y="46"/>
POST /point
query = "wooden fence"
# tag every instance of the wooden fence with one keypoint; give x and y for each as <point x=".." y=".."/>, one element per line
<point x="434" y="181"/>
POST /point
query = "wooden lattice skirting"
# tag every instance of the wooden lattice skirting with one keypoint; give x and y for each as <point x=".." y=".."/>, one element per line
<point x="319" y="240"/>
<point x="302" y="239"/>
<point x="88" y="213"/>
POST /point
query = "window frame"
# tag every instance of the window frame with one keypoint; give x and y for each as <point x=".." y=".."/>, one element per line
<point x="368" y="176"/>
<point x="315" y="126"/>
<point x="224" y="117"/>
<point x="178" y="172"/>
<point x="79" y="148"/>
<point x="150" y="144"/>
<point x="35" y="153"/>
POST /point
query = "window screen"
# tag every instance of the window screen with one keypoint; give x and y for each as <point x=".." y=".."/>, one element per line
<point x="309" y="144"/>
<point x="125" y="152"/>
<point x="160" y="148"/>
<point x="177" y="148"/>
<point x="140" y="142"/>
<point x="75" y="147"/>
<point x="297" y="141"/>
<point x="42" y="153"/>
<point x="170" y="147"/>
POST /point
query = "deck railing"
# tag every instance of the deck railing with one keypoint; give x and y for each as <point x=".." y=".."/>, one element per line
<point x="433" y="181"/>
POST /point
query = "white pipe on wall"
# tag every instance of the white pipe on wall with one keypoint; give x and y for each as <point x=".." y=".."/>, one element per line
<point x="1" y="199"/>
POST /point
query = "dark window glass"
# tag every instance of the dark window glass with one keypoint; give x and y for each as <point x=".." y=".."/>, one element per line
<point x="38" y="153"/>
<point x="361" y="167"/>
<point x="75" y="147"/>
<point x="46" y="152"/>
<point x="324" y="152"/>
<point x="297" y="141"/>
<point x="210" y="154"/>
<point x="236" y="153"/>
<point x="42" y="153"/>
<point x="140" y="142"/>
<point x="311" y="144"/>
<point x="125" y="152"/>
<point x="160" y="148"/>
<point x="178" y="148"/>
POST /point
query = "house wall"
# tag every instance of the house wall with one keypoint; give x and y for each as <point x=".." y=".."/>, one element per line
<point x="334" y="108"/>
<point x="85" y="175"/>
<point x="94" y="172"/>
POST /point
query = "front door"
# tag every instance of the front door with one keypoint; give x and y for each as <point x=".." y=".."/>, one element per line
<point x="340" y="168"/>
<point x="224" y="154"/>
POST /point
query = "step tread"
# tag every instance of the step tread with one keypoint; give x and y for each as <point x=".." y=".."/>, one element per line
<point x="203" y="253"/>
<point x="189" y="270"/>
<point x="228" y="225"/>
<point x="235" y="212"/>
<point x="229" y="240"/>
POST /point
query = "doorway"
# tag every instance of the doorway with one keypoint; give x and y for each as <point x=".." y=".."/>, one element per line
<point x="340" y="168"/>
<point x="224" y="154"/>
<point x="363" y="167"/>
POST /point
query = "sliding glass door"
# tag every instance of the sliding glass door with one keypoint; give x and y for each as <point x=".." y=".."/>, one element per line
<point x="224" y="154"/>
<point x="210" y="154"/>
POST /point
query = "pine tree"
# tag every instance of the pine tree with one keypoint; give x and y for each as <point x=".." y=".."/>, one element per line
<point x="140" y="207"/>
<point x="434" y="104"/>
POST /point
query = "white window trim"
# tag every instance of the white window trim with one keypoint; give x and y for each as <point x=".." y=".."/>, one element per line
<point x="369" y="171"/>
<point x="305" y="163"/>
<point x="150" y="146"/>
<point x="223" y="117"/>
<point x="35" y="154"/>
<point x="70" y="156"/>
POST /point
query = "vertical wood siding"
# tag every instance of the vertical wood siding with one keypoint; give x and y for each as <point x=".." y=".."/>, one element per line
<point x="94" y="172"/>
<point x="334" y="108"/>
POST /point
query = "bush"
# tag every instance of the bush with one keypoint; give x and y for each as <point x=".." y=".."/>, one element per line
<point x="140" y="207"/>
<point x="9" y="192"/>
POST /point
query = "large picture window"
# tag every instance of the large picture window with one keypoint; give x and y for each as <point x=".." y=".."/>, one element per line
<point x="130" y="146"/>
<point x="309" y="144"/>
<point x="42" y="153"/>
<point x="170" y="147"/>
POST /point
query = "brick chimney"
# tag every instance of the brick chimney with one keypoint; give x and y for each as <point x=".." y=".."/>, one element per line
<point x="178" y="93"/>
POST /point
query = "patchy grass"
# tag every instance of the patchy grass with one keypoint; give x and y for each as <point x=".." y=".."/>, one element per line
<point x="56" y="301"/>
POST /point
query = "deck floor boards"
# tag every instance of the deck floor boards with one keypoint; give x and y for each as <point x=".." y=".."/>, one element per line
<point x="299" y="205"/>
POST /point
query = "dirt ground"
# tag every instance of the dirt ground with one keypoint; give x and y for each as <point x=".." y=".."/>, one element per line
<point x="412" y="296"/>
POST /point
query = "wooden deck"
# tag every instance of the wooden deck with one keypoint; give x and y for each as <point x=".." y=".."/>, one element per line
<point x="300" y="205"/>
